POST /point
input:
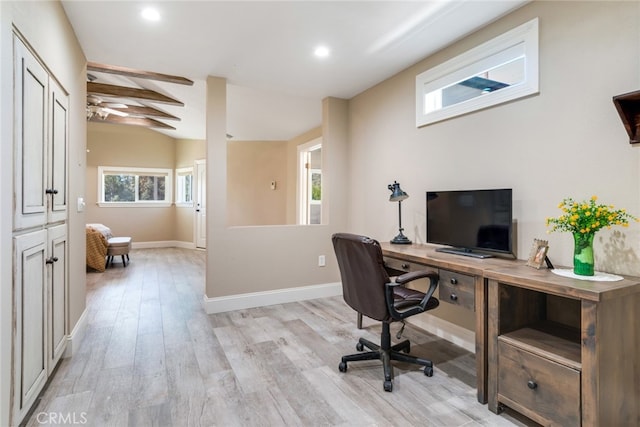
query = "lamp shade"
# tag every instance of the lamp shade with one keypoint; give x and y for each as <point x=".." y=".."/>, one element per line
<point x="397" y="195"/>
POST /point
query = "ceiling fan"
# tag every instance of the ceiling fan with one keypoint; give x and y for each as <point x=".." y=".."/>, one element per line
<point x="140" y="113"/>
<point x="96" y="107"/>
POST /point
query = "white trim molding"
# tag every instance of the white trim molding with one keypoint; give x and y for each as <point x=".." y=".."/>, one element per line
<point x="163" y="244"/>
<point x="74" y="339"/>
<point x="261" y="299"/>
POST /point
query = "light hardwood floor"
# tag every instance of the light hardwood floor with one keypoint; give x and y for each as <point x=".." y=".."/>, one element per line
<point x="152" y="356"/>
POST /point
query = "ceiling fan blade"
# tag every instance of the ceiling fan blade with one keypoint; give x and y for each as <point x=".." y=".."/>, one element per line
<point x="94" y="99"/>
<point x="136" y="121"/>
<point x="114" y="112"/>
<point x="146" y="111"/>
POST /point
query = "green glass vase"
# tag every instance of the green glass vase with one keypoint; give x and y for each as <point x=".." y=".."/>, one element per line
<point x="583" y="254"/>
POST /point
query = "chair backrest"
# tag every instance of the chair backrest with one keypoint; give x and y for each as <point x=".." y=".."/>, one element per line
<point x="363" y="274"/>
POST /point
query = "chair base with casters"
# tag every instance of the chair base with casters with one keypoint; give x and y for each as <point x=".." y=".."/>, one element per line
<point x="368" y="289"/>
<point x="386" y="352"/>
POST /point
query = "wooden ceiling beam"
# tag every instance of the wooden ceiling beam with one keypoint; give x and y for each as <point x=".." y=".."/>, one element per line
<point x="137" y="110"/>
<point x="134" y="121"/>
<point x="130" y="72"/>
<point x="130" y="92"/>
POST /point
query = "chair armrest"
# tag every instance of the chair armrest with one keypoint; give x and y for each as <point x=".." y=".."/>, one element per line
<point x="401" y="281"/>
<point x="415" y="275"/>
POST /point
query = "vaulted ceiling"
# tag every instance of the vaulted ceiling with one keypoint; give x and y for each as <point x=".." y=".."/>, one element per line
<point x="265" y="51"/>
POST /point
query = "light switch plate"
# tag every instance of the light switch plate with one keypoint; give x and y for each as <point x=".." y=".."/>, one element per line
<point x="81" y="204"/>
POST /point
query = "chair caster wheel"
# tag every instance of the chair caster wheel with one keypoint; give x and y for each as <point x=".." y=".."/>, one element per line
<point x="388" y="385"/>
<point x="359" y="346"/>
<point x="342" y="366"/>
<point x="428" y="371"/>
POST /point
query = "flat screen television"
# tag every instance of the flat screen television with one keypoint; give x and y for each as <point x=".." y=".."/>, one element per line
<point x="471" y="222"/>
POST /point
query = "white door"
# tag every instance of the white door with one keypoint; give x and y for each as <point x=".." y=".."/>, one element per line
<point x="200" y="203"/>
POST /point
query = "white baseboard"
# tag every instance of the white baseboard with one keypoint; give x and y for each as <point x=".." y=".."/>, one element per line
<point x="163" y="244"/>
<point x="261" y="299"/>
<point x="74" y="339"/>
<point x="446" y="330"/>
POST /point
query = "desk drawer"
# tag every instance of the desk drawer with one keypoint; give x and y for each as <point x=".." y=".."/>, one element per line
<point x="546" y="391"/>
<point x="401" y="266"/>
<point x="457" y="288"/>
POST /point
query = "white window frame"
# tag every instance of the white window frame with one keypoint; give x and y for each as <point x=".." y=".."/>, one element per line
<point x="520" y="42"/>
<point x="117" y="170"/>
<point x="180" y="190"/>
<point x="304" y="182"/>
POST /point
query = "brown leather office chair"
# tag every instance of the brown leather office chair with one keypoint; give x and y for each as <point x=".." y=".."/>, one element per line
<point x="366" y="287"/>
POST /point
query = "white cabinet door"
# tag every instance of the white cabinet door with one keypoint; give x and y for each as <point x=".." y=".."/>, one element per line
<point x="30" y="312"/>
<point x="30" y="132"/>
<point x="57" y="158"/>
<point x="57" y="296"/>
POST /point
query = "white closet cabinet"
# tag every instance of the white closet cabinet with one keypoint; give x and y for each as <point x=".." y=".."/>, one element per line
<point x="30" y="335"/>
<point x="40" y="120"/>
<point x="40" y="246"/>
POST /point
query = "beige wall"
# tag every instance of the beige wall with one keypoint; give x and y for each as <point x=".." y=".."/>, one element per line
<point x="188" y="151"/>
<point x="114" y="145"/>
<point x="252" y="259"/>
<point x="251" y="167"/>
<point x="46" y="28"/>
<point x="566" y="141"/>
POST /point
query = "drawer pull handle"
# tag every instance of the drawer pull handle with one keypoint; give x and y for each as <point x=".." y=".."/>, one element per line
<point x="454" y="281"/>
<point x="532" y="384"/>
<point x="405" y="266"/>
<point x="453" y="297"/>
<point x="51" y="191"/>
<point x="51" y="260"/>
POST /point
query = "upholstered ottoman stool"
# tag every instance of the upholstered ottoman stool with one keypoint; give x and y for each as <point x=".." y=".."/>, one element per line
<point x="118" y="246"/>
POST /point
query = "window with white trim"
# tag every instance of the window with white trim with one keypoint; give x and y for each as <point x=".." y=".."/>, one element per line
<point x="503" y="69"/>
<point x="140" y="187"/>
<point x="184" y="187"/>
<point x="310" y="182"/>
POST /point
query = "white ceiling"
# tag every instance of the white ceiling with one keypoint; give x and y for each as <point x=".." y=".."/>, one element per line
<point x="265" y="51"/>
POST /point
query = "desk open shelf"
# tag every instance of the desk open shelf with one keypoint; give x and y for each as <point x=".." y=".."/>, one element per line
<point x="553" y="341"/>
<point x="563" y="351"/>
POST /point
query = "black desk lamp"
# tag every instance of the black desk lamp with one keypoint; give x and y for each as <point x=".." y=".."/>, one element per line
<point x="397" y="195"/>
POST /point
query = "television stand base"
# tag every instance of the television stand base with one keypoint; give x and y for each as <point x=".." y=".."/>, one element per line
<point x="464" y="252"/>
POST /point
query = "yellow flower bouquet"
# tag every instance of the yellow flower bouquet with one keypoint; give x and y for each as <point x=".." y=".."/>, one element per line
<point x="583" y="219"/>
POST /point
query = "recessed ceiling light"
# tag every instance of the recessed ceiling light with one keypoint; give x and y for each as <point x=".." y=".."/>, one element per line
<point x="321" y="51"/>
<point x="150" y="14"/>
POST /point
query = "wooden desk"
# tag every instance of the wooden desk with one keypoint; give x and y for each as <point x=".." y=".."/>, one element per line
<point x="564" y="351"/>
<point x="462" y="282"/>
